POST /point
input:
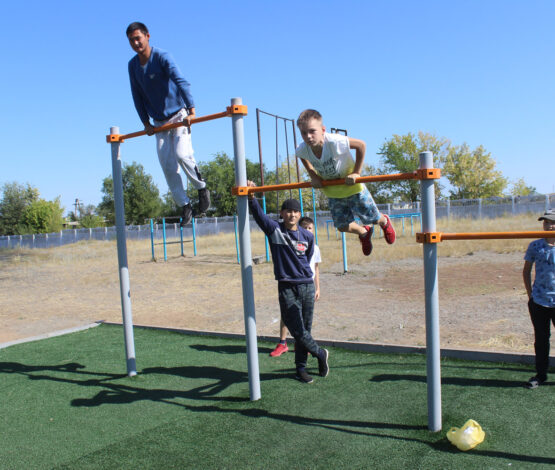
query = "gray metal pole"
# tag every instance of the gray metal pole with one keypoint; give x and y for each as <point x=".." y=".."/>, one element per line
<point x="122" y="258"/>
<point x="245" y="253"/>
<point x="432" y="302"/>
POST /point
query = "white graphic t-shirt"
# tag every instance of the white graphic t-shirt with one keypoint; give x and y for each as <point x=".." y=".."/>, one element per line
<point x="336" y="162"/>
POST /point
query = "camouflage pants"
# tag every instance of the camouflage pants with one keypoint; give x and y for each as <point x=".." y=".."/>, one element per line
<point x="296" y="302"/>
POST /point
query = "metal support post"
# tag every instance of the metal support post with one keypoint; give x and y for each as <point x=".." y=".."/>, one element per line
<point x="194" y="227"/>
<point x="344" y="245"/>
<point x="266" y="243"/>
<point x="181" y="235"/>
<point x="122" y="258"/>
<point x="152" y="239"/>
<point x="314" y="213"/>
<point x="164" y="238"/>
<point x="236" y="238"/>
<point x="432" y="302"/>
<point x="245" y="253"/>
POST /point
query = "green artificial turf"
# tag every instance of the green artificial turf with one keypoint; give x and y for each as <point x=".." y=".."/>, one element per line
<point x="67" y="403"/>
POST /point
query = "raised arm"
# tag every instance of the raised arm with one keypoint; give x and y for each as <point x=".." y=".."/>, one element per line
<point x="266" y="224"/>
<point x="314" y="177"/>
<point x="360" y="150"/>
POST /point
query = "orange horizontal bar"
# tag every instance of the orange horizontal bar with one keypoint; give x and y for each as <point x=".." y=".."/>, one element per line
<point x="440" y="236"/>
<point x="166" y="127"/>
<point x="496" y="235"/>
<point x="337" y="182"/>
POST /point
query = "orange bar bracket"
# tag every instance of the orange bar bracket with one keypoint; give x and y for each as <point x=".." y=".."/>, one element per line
<point x="428" y="237"/>
<point x="113" y="138"/>
<point x="428" y="174"/>
<point x="240" y="190"/>
<point x="238" y="109"/>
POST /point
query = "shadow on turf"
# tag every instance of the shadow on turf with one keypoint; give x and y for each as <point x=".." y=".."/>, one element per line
<point x="117" y="393"/>
<point x="462" y="381"/>
<point x="72" y="367"/>
<point x="444" y="445"/>
<point x="444" y="367"/>
<point x="227" y="349"/>
<point x="441" y="445"/>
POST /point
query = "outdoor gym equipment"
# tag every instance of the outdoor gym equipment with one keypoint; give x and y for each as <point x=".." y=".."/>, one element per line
<point x="429" y="238"/>
<point x="165" y="242"/>
<point x="426" y="174"/>
<point x="236" y="111"/>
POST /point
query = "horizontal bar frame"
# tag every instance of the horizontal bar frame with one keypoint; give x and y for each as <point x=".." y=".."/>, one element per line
<point x="230" y="111"/>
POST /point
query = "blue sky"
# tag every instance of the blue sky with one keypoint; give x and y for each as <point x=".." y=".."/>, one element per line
<point x="472" y="71"/>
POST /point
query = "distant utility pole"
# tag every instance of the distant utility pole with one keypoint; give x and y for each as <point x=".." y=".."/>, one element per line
<point x="77" y="205"/>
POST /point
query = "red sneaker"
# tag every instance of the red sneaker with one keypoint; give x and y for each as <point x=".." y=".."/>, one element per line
<point x="388" y="231"/>
<point x="366" y="240"/>
<point x="279" y="350"/>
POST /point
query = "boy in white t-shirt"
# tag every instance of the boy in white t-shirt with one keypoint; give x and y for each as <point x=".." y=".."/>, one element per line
<point x="327" y="157"/>
<point x="307" y="223"/>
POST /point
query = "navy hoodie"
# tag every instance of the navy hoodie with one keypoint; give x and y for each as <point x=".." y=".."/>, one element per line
<point x="291" y="249"/>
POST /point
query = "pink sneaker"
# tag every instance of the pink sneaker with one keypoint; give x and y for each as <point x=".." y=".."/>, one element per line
<point x="388" y="231"/>
<point x="366" y="240"/>
<point x="279" y="350"/>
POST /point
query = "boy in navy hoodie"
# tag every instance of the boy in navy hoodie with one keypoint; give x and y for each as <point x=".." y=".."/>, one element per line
<point x="292" y="247"/>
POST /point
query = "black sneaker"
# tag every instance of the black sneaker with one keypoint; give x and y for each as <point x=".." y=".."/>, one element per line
<point x="186" y="214"/>
<point x="323" y="367"/>
<point x="303" y="376"/>
<point x="203" y="200"/>
<point x="534" y="382"/>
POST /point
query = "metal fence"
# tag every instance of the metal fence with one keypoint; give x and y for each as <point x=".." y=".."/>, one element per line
<point x="471" y="208"/>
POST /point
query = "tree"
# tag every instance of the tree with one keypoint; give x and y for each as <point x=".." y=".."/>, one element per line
<point x="285" y="174"/>
<point x="42" y="216"/>
<point x="86" y="217"/>
<point x="519" y="188"/>
<point x="169" y="207"/>
<point x="472" y="173"/>
<point x="15" y="199"/>
<point x="91" y="221"/>
<point x="219" y="175"/>
<point x="400" y="154"/>
<point x="141" y="197"/>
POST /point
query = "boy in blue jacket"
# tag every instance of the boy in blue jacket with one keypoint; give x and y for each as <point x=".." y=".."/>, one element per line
<point x="292" y="247"/>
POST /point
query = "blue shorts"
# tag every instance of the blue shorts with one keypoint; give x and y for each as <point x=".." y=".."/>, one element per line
<point x="361" y="205"/>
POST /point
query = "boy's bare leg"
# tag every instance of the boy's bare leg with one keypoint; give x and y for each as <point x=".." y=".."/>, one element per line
<point x="359" y="230"/>
<point x="282" y="331"/>
<point x="364" y="232"/>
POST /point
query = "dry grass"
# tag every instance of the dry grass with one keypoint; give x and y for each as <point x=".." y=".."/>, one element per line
<point x="223" y="245"/>
<point x="43" y="290"/>
<point x="406" y="246"/>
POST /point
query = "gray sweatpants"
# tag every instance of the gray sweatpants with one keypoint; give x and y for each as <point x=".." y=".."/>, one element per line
<point x="175" y="151"/>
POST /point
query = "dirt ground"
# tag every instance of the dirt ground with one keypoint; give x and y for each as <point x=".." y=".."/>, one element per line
<point x="482" y="298"/>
